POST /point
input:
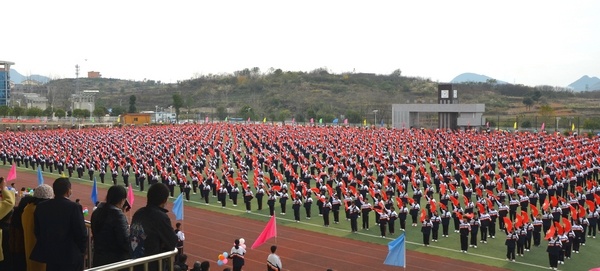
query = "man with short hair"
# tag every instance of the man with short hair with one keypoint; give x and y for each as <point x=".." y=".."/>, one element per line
<point x="151" y="231"/>
<point x="60" y="231"/>
<point x="273" y="260"/>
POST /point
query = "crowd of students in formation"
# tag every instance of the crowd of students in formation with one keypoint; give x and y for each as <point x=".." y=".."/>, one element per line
<point x="528" y="186"/>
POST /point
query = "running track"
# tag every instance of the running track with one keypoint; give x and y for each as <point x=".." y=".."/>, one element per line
<point x="210" y="233"/>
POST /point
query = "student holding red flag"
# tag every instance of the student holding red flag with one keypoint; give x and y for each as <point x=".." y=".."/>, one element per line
<point x="554" y="250"/>
<point x="464" y="229"/>
<point x="511" y="243"/>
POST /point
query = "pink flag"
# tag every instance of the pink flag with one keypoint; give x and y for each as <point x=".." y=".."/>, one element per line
<point x="206" y="119"/>
<point x="345" y="121"/>
<point x="293" y="120"/>
<point x="12" y="174"/>
<point x="543" y="126"/>
<point x="269" y="231"/>
<point x="312" y="120"/>
<point x="130" y="196"/>
<point x="248" y="119"/>
<point x="487" y="124"/>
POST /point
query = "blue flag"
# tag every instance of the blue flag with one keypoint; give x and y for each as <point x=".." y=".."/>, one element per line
<point x="335" y="121"/>
<point x="397" y="252"/>
<point x="94" y="192"/>
<point x="178" y="207"/>
<point x="40" y="176"/>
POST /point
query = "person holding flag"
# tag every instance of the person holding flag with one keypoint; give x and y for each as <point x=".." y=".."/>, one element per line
<point x="464" y="230"/>
<point x="554" y="250"/>
<point x="353" y="213"/>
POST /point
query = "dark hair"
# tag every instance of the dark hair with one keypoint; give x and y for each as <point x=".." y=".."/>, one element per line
<point x="183" y="258"/>
<point x="158" y="194"/>
<point x="177" y="225"/>
<point x="116" y="194"/>
<point x="61" y="187"/>
<point x="237" y="243"/>
<point x="205" y="265"/>
<point x="273" y="249"/>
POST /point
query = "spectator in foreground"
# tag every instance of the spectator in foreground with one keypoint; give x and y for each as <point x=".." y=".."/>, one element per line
<point x="110" y="229"/>
<point x="42" y="193"/>
<point x="6" y="206"/>
<point x="60" y="231"/>
<point x="151" y="231"/>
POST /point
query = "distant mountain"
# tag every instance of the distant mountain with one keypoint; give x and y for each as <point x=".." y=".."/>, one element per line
<point x="18" y="78"/>
<point x="586" y="83"/>
<point x="473" y="77"/>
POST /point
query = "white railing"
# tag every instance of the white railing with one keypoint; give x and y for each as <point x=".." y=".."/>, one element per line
<point x="129" y="264"/>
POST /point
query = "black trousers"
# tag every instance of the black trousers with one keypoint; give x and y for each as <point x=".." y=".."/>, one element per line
<point x="464" y="242"/>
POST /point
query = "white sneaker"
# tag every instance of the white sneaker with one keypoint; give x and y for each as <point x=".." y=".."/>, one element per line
<point x="474" y="246"/>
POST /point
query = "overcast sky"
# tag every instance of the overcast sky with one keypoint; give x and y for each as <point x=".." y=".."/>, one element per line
<point x="523" y="42"/>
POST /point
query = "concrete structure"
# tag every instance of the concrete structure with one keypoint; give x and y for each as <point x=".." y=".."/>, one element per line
<point x="84" y="100"/>
<point x="32" y="100"/>
<point x="5" y="81"/>
<point x="450" y="113"/>
<point x="161" y="117"/>
<point x="135" y="118"/>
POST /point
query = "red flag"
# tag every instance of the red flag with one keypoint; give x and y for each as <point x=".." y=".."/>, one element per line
<point x="411" y="200"/>
<point x="12" y="174"/>
<point x="480" y="207"/>
<point x="466" y="200"/>
<point x="507" y="224"/>
<point x="591" y="205"/>
<point x="399" y="202"/>
<point x="550" y="232"/>
<point x="459" y="215"/>
<point x="597" y="198"/>
<point x="442" y="189"/>
<point x="567" y="223"/>
<point x="554" y="201"/>
<point x="432" y="206"/>
<point x="581" y="211"/>
<point x="443" y="206"/>
<point x="130" y="196"/>
<point x="454" y="201"/>
<point x="269" y="231"/>
<point x="558" y="227"/>
<point x="524" y="217"/>
<point x="423" y="215"/>
<point x="546" y="204"/>
<point x="534" y="211"/>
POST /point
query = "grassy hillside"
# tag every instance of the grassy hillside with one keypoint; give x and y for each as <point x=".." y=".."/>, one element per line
<point x="319" y="94"/>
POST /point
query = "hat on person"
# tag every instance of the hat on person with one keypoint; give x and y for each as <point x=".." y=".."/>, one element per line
<point x="43" y="191"/>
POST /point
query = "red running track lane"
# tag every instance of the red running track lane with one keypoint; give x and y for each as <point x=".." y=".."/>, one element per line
<point x="210" y="233"/>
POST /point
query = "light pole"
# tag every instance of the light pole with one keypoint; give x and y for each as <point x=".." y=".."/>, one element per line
<point x="375" y="114"/>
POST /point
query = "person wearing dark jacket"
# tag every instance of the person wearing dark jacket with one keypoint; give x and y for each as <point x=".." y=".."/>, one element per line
<point x="110" y="229"/>
<point x="60" y="231"/>
<point x="151" y="231"/>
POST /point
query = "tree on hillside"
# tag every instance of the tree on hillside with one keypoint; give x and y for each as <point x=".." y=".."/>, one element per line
<point x="246" y="112"/>
<point x="536" y="95"/>
<point x="177" y="103"/>
<point x="100" y="111"/>
<point x="132" y="108"/>
<point x="528" y="102"/>
<point x="60" y="113"/>
<point x="396" y="73"/>
<point x="17" y="111"/>
<point x="4" y="110"/>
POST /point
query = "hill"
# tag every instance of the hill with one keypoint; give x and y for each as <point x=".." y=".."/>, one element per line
<point x="586" y="83"/>
<point x="18" y="78"/>
<point x="283" y="95"/>
<point x="475" y="78"/>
